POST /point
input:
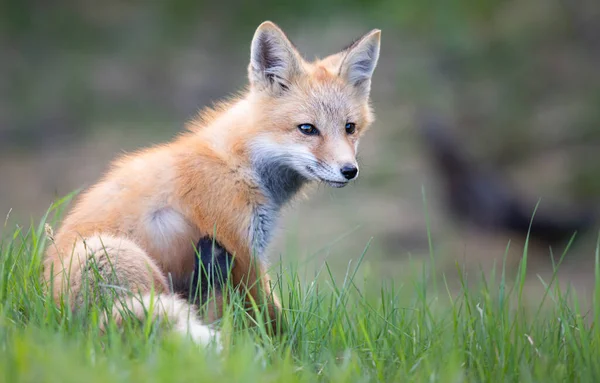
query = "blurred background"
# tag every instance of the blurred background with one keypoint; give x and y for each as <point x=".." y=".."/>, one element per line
<point x="511" y="87"/>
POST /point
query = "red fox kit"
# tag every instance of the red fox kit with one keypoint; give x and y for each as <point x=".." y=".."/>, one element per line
<point x="226" y="178"/>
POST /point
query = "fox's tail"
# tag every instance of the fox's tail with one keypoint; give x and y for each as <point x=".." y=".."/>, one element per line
<point x="175" y="311"/>
<point x="103" y="266"/>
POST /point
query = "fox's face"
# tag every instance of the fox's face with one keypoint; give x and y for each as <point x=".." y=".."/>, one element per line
<point x="312" y="115"/>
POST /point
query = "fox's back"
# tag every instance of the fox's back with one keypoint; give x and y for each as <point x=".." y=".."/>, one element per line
<point x="136" y="200"/>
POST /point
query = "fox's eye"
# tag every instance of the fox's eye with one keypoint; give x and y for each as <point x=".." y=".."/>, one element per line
<point x="350" y="128"/>
<point x="308" y="129"/>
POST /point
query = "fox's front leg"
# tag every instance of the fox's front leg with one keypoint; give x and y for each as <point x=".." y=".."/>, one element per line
<point x="215" y="268"/>
<point x="249" y="275"/>
<point x="211" y="275"/>
<point x="273" y="302"/>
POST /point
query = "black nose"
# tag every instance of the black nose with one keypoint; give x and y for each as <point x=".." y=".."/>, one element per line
<point x="349" y="171"/>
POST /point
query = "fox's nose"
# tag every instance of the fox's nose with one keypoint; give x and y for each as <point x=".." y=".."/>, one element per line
<point x="349" y="171"/>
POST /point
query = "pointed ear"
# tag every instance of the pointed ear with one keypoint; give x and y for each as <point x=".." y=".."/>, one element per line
<point x="360" y="60"/>
<point x="273" y="59"/>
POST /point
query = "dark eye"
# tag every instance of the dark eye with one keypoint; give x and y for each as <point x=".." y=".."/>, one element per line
<point x="350" y="128"/>
<point x="308" y="129"/>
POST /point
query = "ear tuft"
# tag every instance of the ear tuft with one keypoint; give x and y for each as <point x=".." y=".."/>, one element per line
<point x="360" y="61"/>
<point x="273" y="59"/>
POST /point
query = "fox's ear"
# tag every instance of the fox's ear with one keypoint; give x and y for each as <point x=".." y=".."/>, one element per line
<point x="273" y="59"/>
<point x="360" y="59"/>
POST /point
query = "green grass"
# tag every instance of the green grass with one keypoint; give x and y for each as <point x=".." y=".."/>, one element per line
<point x="355" y="327"/>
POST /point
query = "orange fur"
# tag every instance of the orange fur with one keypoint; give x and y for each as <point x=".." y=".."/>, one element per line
<point x="158" y="202"/>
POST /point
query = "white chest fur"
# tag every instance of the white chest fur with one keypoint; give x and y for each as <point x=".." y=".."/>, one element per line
<point x="262" y="225"/>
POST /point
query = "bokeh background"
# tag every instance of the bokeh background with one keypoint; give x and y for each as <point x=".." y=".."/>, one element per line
<point x="82" y="81"/>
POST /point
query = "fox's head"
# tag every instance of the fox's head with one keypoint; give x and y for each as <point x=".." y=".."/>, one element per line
<point x="311" y="115"/>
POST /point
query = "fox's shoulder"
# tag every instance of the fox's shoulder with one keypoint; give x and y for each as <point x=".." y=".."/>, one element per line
<point x="220" y="110"/>
<point x="140" y="163"/>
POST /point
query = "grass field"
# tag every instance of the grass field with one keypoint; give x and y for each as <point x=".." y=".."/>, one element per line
<point x="343" y="325"/>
